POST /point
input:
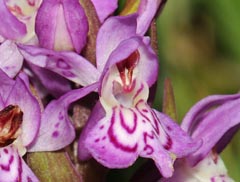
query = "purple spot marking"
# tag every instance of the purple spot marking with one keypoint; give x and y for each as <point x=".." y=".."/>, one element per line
<point x="103" y="138"/>
<point x="57" y="125"/>
<point x="212" y="179"/>
<point x="113" y="139"/>
<point x="55" y="134"/>
<point x="168" y="145"/>
<point x="145" y="110"/>
<point x="62" y="64"/>
<point x="68" y="74"/>
<point x="169" y="128"/>
<point x="8" y="67"/>
<point x="31" y="2"/>
<point x="60" y="116"/>
<point x="5" y="151"/>
<point x="101" y="127"/>
<point x="7" y="167"/>
<point x="29" y="179"/>
<point x="125" y="126"/>
<point x="97" y="140"/>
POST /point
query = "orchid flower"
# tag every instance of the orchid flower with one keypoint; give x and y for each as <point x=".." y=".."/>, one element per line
<point x="72" y="66"/>
<point x="61" y="25"/>
<point x="214" y="120"/>
<point x="122" y="125"/>
<point x="23" y="128"/>
<point x="19" y="20"/>
<point x="19" y="124"/>
<point x="122" y="59"/>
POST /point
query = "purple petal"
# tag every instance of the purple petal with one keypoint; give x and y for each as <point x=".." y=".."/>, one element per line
<point x="67" y="64"/>
<point x="13" y="168"/>
<point x="94" y="140"/>
<point x="10" y="26"/>
<point x="11" y="59"/>
<point x="54" y="83"/>
<point x="107" y="138"/>
<point x="9" y="163"/>
<point x="111" y="34"/>
<point x="77" y="23"/>
<point x="147" y="10"/>
<point x="6" y="86"/>
<point x="180" y="143"/>
<point x="104" y="8"/>
<point x="211" y="169"/>
<point x="61" y="25"/>
<point x="56" y="130"/>
<point x="200" y="109"/>
<point x="147" y="59"/>
<point x="21" y="96"/>
<point x="46" y="23"/>
<point x="98" y="113"/>
<point x="213" y="125"/>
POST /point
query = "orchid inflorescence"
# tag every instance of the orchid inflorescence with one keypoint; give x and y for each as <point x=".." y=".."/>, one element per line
<point x="46" y="68"/>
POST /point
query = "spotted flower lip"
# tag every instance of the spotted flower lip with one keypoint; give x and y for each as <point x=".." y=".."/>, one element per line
<point x="22" y="133"/>
<point x="122" y="125"/>
<point x="213" y="120"/>
<point x="61" y="25"/>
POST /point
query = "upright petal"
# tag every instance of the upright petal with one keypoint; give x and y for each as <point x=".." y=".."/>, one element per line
<point x="11" y="59"/>
<point x="76" y="22"/>
<point x="111" y="34"/>
<point x="10" y="27"/>
<point x="104" y="8"/>
<point x="146" y="12"/>
<point x="61" y="25"/>
<point x="56" y="127"/>
<point x="147" y="59"/>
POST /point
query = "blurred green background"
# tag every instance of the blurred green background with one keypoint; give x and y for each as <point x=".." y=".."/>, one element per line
<point x="199" y="51"/>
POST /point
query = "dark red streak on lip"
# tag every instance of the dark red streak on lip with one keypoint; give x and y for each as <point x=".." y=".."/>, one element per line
<point x="113" y="139"/>
<point x="129" y="63"/>
<point x="125" y="126"/>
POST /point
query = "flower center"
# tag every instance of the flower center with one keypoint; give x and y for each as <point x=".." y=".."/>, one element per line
<point x="125" y="69"/>
<point x="10" y="122"/>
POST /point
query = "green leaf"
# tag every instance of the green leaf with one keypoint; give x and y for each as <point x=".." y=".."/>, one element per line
<point x="131" y="6"/>
<point x="169" y="106"/>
